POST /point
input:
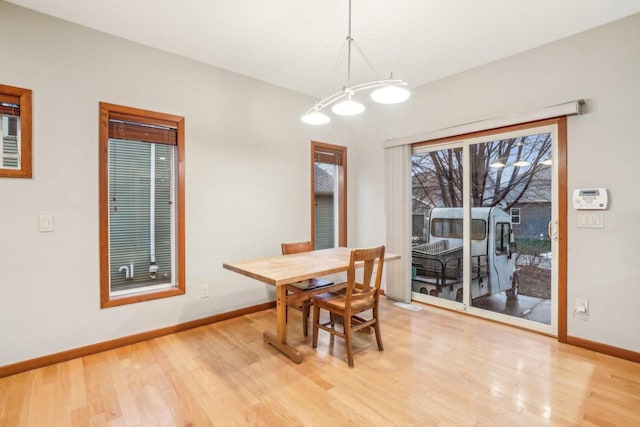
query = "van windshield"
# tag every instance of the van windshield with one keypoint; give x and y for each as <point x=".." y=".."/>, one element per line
<point x="451" y="228"/>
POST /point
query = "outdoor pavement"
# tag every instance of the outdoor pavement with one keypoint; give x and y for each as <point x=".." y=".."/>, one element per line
<point x="526" y="307"/>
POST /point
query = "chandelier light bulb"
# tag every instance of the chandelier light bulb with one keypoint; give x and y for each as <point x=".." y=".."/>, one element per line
<point x="315" y="118"/>
<point x="390" y="94"/>
<point x="348" y="107"/>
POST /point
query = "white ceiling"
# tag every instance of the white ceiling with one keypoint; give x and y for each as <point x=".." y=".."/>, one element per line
<point x="296" y="43"/>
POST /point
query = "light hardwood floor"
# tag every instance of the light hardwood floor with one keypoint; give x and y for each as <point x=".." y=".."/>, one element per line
<point x="438" y="368"/>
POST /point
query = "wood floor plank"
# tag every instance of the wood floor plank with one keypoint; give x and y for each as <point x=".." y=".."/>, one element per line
<point x="439" y="368"/>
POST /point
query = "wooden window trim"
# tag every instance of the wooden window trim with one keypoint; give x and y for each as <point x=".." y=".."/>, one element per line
<point x="340" y="156"/>
<point x="108" y="111"/>
<point x="23" y="98"/>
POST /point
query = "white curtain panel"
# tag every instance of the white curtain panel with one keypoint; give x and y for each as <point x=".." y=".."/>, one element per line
<point x="397" y="169"/>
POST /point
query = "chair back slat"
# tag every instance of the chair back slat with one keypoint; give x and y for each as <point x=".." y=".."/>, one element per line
<point x="296" y="247"/>
<point x="365" y="291"/>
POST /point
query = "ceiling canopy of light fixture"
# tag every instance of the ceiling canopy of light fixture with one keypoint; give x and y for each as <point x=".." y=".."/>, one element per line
<point x="388" y="91"/>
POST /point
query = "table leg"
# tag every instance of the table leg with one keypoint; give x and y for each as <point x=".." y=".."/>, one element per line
<point x="280" y="342"/>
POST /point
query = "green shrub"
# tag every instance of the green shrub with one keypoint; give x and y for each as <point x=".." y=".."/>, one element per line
<point x="532" y="246"/>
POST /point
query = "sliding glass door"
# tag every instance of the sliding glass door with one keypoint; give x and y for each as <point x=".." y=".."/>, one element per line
<point x="484" y="225"/>
<point x="437" y="241"/>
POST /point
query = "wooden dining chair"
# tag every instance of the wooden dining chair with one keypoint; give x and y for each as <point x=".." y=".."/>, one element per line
<point x="303" y="304"/>
<point x="357" y="298"/>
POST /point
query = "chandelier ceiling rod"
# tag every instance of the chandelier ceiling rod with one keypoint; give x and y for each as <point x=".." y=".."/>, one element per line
<point x="349" y="41"/>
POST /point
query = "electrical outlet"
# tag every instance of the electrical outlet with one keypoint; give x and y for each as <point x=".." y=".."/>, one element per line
<point x="45" y="223"/>
<point x="582" y="306"/>
<point x="204" y="291"/>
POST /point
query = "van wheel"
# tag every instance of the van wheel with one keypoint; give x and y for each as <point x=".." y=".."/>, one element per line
<point x="512" y="294"/>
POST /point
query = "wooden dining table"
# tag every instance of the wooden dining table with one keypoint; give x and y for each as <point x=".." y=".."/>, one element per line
<point x="283" y="270"/>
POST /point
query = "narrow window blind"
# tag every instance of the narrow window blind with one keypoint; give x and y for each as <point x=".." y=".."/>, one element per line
<point x="138" y="153"/>
<point x="9" y="118"/>
<point x="328" y="157"/>
<point x="131" y="131"/>
<point x="9" y="105"/>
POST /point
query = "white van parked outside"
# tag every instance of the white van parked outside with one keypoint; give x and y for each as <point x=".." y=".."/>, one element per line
<point x="438" y="264"/>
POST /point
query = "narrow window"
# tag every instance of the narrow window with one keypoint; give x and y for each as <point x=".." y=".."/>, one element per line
<point x="328" y="195"/>
<point x="502" y="238"/>
<point x="451" y="228"/>
<point x="15" y="132"/>
<point x="141" y="205"/>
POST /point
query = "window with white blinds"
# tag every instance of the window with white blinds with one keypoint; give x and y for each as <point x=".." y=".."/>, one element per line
<point x="142" y="187"/>
<point x="15" y="132"/>
<point x="140" y="214"/>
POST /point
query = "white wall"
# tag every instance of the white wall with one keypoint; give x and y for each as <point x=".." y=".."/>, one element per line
<point x="247" y="182"/>
<point x="601" y="66"/>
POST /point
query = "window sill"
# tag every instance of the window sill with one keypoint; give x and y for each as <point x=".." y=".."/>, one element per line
<point x="114" y="301"/>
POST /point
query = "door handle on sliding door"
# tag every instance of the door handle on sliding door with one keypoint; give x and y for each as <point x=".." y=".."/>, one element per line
<point x="552" y="229"/>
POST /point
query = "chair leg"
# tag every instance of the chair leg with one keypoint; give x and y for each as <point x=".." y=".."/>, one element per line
<point x="316" y="320"/>
<point x="347" y="337"/>
<point x="376" y="327"/>
<point x="332" y="317"/>
<point x="305" y="318"/>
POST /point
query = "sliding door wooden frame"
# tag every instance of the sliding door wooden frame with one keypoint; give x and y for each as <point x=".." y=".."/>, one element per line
<point x="561" y="123"/>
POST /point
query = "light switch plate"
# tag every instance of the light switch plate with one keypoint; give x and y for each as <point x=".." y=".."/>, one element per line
<point x="591" y="220"/>
<point x="45" y="223"/>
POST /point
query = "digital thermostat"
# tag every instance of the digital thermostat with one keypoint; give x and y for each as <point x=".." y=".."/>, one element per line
<point x="590" y="198"/>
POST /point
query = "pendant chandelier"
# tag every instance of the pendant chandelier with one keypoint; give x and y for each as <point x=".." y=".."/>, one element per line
<point x="387" y="91"/>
